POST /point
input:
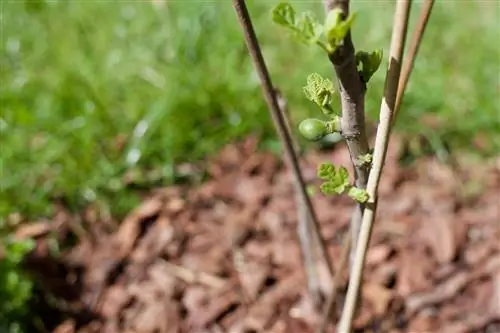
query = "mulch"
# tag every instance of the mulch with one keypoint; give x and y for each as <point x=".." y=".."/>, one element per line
<point x="224" y="256"/>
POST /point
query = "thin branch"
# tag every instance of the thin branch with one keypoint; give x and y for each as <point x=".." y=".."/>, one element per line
<point x="279" y="122"/>
<point x="410" y="57"/>
<point x="304" y="232"/>
<point x="381" y="143"/>
<point x="352" y="96"/>
<point x="330" y="302"/>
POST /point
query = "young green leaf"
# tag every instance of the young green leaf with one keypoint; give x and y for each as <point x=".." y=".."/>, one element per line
<point x="309" y="28"/>
<point x="306" y="28"/>
<point x="320" y="91"/>
<point x="358" y="194"/>
<point x="336" y="28"/>
<point x="326" y="171"/>
<point x="365" y="159"/>
<point x="368" y="63"/>
<point x="284" y="14"/>
<point x="337" y="179"/>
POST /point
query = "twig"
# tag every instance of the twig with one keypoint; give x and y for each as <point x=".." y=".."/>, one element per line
<point x="416" y="40"/>
<point x="279" y="122"/>
<point x="352" y="96"/>
<point x="304" y="232"/>
<point x="381" y="142"/>
<point x="330" y="302"/>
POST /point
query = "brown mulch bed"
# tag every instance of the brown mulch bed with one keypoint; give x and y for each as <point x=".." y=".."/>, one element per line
<point x="224" y="256"/>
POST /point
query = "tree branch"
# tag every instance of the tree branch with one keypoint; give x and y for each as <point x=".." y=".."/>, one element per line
<point x="411" y="55"/>
<point x="279" y="121"/>
<point x="381" y="142"/>
<point x="306" y="236"/>
<point x="352" y="96"/>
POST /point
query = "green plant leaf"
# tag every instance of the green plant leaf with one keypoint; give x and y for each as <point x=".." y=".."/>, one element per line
<point x="337" y="179"/>
<point x="368" y="63"/>
<point x="365" y="159"/>
<point x="309" y="29"/>
<point x="336" y="28"/>
<point x="326" y="171"/>
<point x="320" y="91"/>
<point x="305" y="28"/>
<point x="358" y="194"/>
<point x="284" y="14"/>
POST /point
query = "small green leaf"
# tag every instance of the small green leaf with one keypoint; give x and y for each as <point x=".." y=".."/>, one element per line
<point x="310" y="29"/>
<point x="284" y="14"/>
<point x="328" y="188"/>
<point x="336" y="28"/>
<point x="337" y="179"/>
<point x="368" y="63"/>
<point x="306" y="28"/>
<point x="358" y="194"/>
<point x="320" y="91"/>
<point x="326" y="171"/>
<point x="343" y="175"/>
<point x="313" y="129"/>
<point x="365" y="159"/>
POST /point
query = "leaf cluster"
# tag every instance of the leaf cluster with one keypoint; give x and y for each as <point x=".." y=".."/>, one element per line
<point x="307" y="28"/>
<point x="337" y="182"/>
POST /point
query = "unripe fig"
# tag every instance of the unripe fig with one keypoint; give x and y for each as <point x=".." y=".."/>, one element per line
<point x="313" y="129"/>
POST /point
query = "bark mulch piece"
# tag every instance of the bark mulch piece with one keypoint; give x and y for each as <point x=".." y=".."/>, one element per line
<point x="224" y="257"/>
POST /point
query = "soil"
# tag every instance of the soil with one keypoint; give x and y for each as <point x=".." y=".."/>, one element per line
<point x="224" y="256"/>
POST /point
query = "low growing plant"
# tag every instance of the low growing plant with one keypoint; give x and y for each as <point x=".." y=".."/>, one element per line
<point x="15" y="285"/>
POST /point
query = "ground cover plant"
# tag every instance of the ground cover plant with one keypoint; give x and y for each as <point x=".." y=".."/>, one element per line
<point x="136" y="152"/>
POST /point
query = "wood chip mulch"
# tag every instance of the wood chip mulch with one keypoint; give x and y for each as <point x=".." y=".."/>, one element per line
<point x="224" y="256"/>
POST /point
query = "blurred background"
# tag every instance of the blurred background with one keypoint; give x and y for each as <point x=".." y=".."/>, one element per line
<point x="95" y="91"/>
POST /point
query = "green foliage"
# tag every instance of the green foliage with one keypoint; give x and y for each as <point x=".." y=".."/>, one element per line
<point x="337" y="179"/>
<point x="368" y="63"/>
<point x="358" y="194"/>
<point x="337" y="182"/>
<point x="365" y="159"/>
<point x="15" y="285"/>
<point x="320" y="91"/>
<point x="336" y="28"/>
<point x="306" y="28"/>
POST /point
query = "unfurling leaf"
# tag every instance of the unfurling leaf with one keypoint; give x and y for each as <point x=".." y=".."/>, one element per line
<point x="365" y="160"/>
<point x="336" y="28"/>
<point x="320" y="91"/>
<point x="284" y="14"/>
<point x="358" y="194"/>
<point x="337" y="180"/>
<point x="306" y="27"/>
<point x="309" y="30"/>
<point x="326" y="171"/>
<point x="368" y="63"/>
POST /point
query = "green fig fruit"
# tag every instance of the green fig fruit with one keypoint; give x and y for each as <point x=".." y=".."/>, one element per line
<point x="313" y="129"/>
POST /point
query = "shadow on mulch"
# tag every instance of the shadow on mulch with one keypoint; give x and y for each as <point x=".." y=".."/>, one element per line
<point x="224" y="257"/>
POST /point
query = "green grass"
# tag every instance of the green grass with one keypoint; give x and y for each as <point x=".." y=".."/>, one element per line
<point x="173" y="84"/>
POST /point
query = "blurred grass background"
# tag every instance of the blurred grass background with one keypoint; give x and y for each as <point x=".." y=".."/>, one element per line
<point x="95" y="90"/>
